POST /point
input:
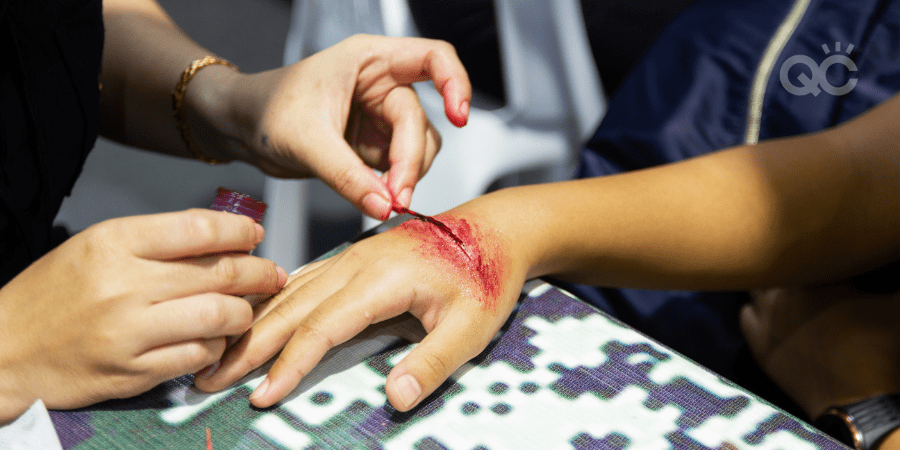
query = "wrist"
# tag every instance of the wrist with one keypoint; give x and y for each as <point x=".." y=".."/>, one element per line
<point x="212" y="108"/>
<point x="511" y="213"/>
<point x="890" y="442"/>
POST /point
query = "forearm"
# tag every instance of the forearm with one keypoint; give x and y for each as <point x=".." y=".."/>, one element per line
<point x="812" y="208"/>
<point x="13" y="401"/>
<point x="145" y="53"/>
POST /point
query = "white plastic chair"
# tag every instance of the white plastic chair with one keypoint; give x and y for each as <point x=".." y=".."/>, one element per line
<point x="553" y="94"/>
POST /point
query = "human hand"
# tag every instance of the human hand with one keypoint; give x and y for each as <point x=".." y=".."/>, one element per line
<point x="461" y="296"/>
<point x="127" y="304"/>
<point x="345" y="108"/>
<point x="827" y="345"/>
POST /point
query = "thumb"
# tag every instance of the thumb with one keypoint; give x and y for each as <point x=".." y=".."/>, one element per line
<point x="346" y="173"/>
<point x="430" y="363"/>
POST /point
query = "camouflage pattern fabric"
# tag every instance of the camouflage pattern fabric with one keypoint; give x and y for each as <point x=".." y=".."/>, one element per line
<point x="561" y="374"/>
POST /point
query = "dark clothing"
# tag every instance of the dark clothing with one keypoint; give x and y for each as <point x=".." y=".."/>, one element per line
<point x="49" y="117"/>
<point x="690" y="95"/>
<point x="619" y="31"/>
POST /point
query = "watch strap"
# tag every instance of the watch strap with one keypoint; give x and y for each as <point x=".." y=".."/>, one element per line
<point x="868" y="421"/>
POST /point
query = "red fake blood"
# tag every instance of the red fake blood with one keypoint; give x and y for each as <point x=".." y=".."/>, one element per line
<point x="441" y="226"/>
<point x="473" y="255"/>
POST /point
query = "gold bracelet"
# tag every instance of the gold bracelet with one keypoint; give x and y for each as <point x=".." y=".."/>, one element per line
<point x="178" y="104"/>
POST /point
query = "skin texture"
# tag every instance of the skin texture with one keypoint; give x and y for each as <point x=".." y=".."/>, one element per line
<point x="460" y="312"/>
<point x="333" y="115"/>
<point x="132" y="302"/>
<point x="127" y="304"/>
<point x="808" y="209"/>
<point x="465" y="251"/>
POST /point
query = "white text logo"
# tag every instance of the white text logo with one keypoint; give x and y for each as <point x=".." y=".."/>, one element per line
<point x="818" y="82"/>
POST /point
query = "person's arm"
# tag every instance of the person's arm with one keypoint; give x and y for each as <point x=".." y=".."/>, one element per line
<point x="829" y="345"/>
<point x="289" y="122"/>
<point x="811" y="208"/>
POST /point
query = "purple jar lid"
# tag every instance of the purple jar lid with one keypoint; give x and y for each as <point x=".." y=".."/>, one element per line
<point x="235" y="202"/>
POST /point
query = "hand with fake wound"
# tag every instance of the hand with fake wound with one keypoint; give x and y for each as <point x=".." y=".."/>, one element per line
<point x="127" y="304"/>
<point x="345" y="108"/>
<point x="462" y="294"/>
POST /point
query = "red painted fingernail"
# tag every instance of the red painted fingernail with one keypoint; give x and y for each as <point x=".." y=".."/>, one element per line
<point x="464" y="111"/>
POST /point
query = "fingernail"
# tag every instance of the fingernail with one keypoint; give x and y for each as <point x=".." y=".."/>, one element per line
<point x="405" y="197"/>
<point x="408" y="390"/>
<point x="282" y="275"/>
<point x="208" y="370"/>
<point x="377" y="204"/>
<point x="260" y="233"/>
<point x="260" y="390"/>
<point x="464" y="111"/>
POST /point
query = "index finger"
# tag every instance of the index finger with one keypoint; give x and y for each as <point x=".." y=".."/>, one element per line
<point x="194" y="232"/>
<point x="420" y="59"/>
<point x="343" y="315"/>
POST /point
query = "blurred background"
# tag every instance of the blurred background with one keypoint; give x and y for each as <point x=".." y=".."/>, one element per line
<point x="119" y="181"/>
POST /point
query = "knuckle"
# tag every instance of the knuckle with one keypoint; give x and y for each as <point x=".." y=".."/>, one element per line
<point x="284" y="311"/>
<point x="201" y="228"/>
<point x="312" y="328"/>
<point x="226" y="272"/>
<point x="212" y="314"/>
<point x="446" y="47"/>
<point x="251" y="361"/>
<point x="105" y="338"/>
<point x="417" y="114"/>
<point x="346" y="179"/>
<point x="196" y="354"/>
<point x="97" y="241"/>
<point x="271" y="275"/>
<point x="435" y="365"/>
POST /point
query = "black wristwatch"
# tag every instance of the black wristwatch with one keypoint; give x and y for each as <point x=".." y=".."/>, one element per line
<point x="863" y="424"/>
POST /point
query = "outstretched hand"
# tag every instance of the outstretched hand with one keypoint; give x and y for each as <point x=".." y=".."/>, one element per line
<point x="348" y="107"/>
<point x="462" y="294"/>
<point x="127" y="304"/>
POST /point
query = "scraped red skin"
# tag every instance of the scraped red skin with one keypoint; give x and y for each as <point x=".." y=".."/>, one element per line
<point x="472" y="255"/>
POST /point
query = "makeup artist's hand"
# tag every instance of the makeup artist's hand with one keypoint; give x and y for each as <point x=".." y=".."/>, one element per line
<point x="343" y="109"/>
<point x="127" y="304"/>
<point x="462" y="301"/>
<point x="826" y="345"/>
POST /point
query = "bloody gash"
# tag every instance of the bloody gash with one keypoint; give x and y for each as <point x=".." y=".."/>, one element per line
<point x="472" y="255"/>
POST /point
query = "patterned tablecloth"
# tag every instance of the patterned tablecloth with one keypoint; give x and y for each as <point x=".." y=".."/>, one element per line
<point x="561" y="374"/>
